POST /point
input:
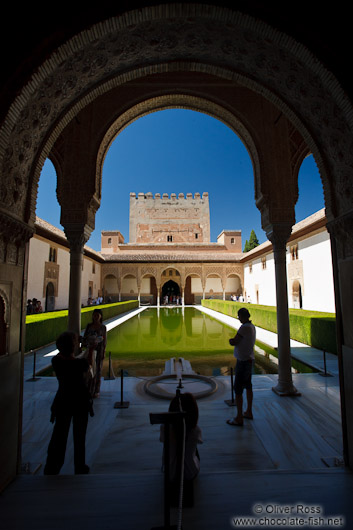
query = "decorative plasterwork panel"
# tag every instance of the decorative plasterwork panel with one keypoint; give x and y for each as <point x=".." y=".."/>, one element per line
<point x="139" y="43"/>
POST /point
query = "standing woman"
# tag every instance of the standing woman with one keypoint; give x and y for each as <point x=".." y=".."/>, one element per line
<point x="96" y="335"/>
<point x="72" y="402"/>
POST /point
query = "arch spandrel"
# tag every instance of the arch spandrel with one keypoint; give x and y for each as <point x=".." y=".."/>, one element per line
<point x="274" y="65"/>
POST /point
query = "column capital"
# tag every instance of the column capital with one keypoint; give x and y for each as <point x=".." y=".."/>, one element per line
<point x="77" y="236"/>
<point x="279" y="233"/>
<point x="341" y="229"/>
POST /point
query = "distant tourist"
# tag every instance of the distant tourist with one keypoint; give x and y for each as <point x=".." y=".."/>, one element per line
<point x="95" y="337"/>
<point x="243" y="343"/>
<point x="187" y="403"/>
<point x="29" y="309"/>
<point x="72" y="402"/>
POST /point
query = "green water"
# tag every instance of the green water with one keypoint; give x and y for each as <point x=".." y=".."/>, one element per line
<point x="141" y="345"/>
<point x="177" y="332"/>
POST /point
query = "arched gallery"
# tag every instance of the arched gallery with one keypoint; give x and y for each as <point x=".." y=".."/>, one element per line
<point x="74" y="79"/>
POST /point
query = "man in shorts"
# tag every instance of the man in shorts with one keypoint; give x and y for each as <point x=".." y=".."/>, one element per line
<point x="243" y="343"/>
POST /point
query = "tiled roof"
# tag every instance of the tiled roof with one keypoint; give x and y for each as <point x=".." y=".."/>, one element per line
<point x="172" y="256"/>
<point x="47" y="227"/>
<point x="209" y="252"/>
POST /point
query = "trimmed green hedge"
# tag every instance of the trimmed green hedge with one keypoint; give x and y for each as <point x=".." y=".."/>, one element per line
<point x="314" y="328"/>
<point x="44" y="328"/>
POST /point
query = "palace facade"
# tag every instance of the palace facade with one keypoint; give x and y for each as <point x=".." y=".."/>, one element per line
<point x="170" y="259"/>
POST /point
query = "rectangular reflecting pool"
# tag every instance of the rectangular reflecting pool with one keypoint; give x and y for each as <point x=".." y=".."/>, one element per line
<point x="140" y="346"/>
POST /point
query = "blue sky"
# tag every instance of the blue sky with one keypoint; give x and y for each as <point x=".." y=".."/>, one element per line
<point x="180" y="151"/>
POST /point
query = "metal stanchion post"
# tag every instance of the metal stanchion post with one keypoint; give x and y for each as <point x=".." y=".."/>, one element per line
<point x="122" y="404"/>
<point x="231" y="402"/>
<point x="34" y="378"/>
<point x="110" y="374"/>
<point x="324" y="373"/>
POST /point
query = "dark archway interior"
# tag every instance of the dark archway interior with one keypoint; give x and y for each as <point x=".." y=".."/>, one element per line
<point x="171" y="290"/>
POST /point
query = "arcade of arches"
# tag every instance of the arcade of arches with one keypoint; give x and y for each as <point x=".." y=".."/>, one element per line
<point x="69" y="99"/>
<point x="166" y="284"/>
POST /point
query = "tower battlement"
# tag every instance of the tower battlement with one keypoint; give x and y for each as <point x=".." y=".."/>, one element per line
<point x="165" y="196"/>
<point x="174" y="218"/>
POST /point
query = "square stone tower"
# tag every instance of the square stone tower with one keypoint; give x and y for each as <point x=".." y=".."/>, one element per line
<point x="174" y="219"/>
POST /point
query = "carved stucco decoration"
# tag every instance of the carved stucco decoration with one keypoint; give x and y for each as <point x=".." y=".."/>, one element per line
<point x="6" y="296"/>
<point x="13" y="238"/>
<point x="342" y="231"/>
<point x="212" y="39"/>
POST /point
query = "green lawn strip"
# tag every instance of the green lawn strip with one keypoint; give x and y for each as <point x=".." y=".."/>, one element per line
<point x="44" y="328"/>
<point x="315" y="328"/>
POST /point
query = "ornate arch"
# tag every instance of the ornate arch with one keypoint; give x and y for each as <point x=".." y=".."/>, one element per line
<point x="221" y="42"/>
<point x="179" y="101"/>
<point x="4" y="296"/>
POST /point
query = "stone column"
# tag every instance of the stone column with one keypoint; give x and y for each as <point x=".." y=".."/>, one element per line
<point x="182" y="297"/>
<point x="158" y="296"/>
<point x="341" y="233"/>
<point x="77" y="237"/>
<point x="278" y="235"/>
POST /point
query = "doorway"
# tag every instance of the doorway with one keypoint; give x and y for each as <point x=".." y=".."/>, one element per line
<point x="50" y="297"/>
<point x="170" y="292"/>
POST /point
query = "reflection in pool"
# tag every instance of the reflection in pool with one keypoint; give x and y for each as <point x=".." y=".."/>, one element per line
<point x="141" y="345"/>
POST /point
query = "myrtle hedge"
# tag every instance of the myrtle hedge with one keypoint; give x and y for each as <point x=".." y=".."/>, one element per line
<point x="44" y="328"/>
<point x="314" y="328"/>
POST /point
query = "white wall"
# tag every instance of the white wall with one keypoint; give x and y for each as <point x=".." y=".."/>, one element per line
<point x="63" y="259"/>
<point x="317" y="291"/>
<point x="87" y="276"/>
<point x="261" y="280"/>
<point x="213" y="284"/>
<point x="232" y="285"/>
<point x="196" y="286"/>
<point x="146" y="286"/>
<point x="314" y="256"/>
<point x="39" y="254"/>
<point x="129" y="286"/>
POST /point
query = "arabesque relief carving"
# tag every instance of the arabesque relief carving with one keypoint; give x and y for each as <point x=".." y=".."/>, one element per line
<point x="236" y="46"/>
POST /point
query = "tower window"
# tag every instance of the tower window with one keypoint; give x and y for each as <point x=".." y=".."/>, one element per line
<point x="170" y="238"/>
<point x="52" y="254"/>
<point x="294" y="252"/>
<point x="196" y="236"/>
<point x="109" y="240"/>
<point x="232" y="240"/>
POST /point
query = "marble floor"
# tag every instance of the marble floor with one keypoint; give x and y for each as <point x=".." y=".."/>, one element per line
<point x="289" y="455"/>
<point x="287" y="461"/>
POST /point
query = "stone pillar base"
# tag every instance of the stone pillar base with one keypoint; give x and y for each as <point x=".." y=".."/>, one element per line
<point x="285" y="389"/>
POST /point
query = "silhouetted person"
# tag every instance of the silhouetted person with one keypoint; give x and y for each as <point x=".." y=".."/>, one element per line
<point x="29" y="307"/>
<point x="243" y="343"/>
<point x="72" y="402"/>
<point x="96" y="336"/>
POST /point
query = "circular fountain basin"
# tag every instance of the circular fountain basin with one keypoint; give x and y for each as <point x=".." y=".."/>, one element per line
<point x="165" y="386"/>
